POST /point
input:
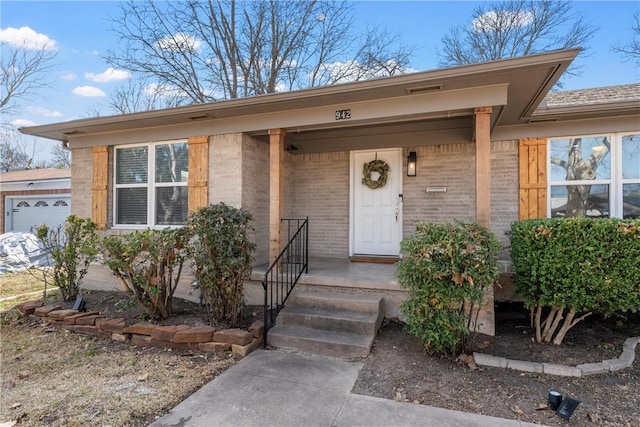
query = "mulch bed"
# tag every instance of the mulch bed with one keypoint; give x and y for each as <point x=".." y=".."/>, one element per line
<point x="400" y="368"/>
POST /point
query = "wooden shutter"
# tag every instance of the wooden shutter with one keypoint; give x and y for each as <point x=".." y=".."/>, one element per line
<point x="99" y="186"/>
<point x="198" y="172"/>
<point x="533" y="178"/>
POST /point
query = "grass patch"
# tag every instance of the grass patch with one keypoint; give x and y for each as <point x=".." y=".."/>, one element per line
<point x="19" y="287"/>
<point x="18" y="283"/>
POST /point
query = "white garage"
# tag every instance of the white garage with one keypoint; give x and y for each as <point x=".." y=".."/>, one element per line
<point x="27" y="212"/>
<point x="34" y="197"/>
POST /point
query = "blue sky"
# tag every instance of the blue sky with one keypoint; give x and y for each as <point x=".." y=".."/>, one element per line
<point x="81" y="32"/>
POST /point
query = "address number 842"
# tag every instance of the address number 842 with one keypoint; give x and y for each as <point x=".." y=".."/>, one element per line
<point x="343" y="114"/>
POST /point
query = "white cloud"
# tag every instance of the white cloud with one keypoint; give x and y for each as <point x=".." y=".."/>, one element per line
<point x="88" y="91"/>
<point x="69" y="75"/>
<point x="179" y="41"/>
<point x="41" y="111"/>
<point x="25" y="37"/>
<point x="109" y="75"/>
<point x="502" y="18"/>
<point x="18" y="123"/>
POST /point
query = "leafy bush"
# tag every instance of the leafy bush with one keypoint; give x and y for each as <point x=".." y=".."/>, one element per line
<point x="222" y="258"/>
<point x="446" y="268"/>
<point x="148" y="264"/>
<point x="573" y="267"/>
<point x="72" y="247"/>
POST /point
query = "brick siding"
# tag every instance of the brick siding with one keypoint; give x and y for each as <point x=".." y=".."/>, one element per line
<point x="81" y="181"/>
<point x="318" y="187"/>
<point x="255" y="193"/>
<point x="448" y="165"/>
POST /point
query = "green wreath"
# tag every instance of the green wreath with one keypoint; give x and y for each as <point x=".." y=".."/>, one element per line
<point x="375" y="166"/>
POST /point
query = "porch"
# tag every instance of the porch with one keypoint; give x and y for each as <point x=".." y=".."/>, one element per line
<point x="339" y="275"/>
<point x="343" y="273"/>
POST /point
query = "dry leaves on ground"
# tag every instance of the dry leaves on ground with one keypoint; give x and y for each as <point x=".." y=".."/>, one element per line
<point x="55" y="378"/>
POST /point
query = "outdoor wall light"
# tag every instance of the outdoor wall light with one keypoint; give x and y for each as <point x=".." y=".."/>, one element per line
<point x="412" y="163"/>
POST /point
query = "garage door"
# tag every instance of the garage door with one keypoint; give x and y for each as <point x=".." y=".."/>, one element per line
<point x="28" y="212"/>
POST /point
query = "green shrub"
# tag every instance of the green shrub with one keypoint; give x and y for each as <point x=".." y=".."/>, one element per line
<point x="446" y="269"/>
<point x="573" y="267"/>
<point x="148" y="264"/>
<point x="222" y="258"/>
<point x="72" y="247"/>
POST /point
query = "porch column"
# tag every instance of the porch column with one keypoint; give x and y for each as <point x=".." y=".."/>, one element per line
<point x="482" y="119"/>
<point x="485" y="322"/>
<point x="276" y="190"/>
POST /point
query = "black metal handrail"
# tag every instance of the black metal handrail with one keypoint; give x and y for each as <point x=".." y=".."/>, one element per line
<point x="283" y="274"/>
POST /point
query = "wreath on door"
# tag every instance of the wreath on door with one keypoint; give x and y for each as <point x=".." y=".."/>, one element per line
<point x="378" y="166"/>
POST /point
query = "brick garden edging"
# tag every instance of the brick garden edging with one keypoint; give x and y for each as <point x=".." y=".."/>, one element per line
<point x="144" y="334"/>
<point x="625" y="360"/>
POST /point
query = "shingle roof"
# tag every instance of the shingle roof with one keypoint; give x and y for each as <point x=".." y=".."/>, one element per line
<point x="35" y="175"/>
<point x="594" y="96"/>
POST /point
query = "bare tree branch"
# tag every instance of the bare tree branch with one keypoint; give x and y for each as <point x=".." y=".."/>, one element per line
<point x="631" y="50"/>
<point x="207" y="50"/>
<point x="514" y="28"/>
<point x="22" y="73"/>
<point x="60" y="157"/>
<point x="16" y="153"/>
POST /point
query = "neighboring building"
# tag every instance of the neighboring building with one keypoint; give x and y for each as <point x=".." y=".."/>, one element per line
<point x="481" y="137"/>
<point x="34" y="197"/>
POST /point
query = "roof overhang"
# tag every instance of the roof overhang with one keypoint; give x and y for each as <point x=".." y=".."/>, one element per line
<point x="589" y="111"/>
<point x="514" y="87"/>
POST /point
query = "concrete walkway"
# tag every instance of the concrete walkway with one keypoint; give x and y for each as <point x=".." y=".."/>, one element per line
<point x="279" y="388"/>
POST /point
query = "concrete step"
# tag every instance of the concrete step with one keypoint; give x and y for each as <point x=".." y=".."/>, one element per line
<point x="319" y="341"/>
<point x="331" y="319"/>
<point x="328" y="323"/>
<point x="336" y="301"/>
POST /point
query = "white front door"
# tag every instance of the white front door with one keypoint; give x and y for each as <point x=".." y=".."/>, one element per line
<point x="376" y="215"/>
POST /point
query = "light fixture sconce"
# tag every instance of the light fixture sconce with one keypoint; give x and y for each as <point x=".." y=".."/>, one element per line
<point x="412" y="163"/>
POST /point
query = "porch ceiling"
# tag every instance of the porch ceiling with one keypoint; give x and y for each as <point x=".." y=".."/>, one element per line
<point x="526" y="79"/>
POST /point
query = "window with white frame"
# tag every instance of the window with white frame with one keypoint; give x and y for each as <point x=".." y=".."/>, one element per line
<point x="151" y="184"/>
<point x="595" y="176"/>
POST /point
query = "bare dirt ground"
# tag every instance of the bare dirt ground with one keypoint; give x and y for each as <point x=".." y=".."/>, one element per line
<point x="51" y="377"/>
<point x="399" y="368"/>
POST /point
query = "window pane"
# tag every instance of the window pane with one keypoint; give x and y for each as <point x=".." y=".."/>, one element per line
<point x="573" y="159"/>
<point x="131" y="165"/>
<point x="172" y="163"/>
<point x="171" y="205"/>
<point x="631" y="201"/>
<point x="580" y="200"/>
<point x="131" y="206"/>
<point x="631" y="157"/>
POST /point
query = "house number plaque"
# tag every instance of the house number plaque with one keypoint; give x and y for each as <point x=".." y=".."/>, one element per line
<point x="343" y="114"/>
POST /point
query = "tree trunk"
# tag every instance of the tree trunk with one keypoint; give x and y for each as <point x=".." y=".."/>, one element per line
<point x="546" y="337"/>
<point x="548" y="321"/>
<point x="568" y="324"/>
<point x="538" y="317"/>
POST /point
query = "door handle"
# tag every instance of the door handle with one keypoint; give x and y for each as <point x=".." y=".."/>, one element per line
<point x="397" y="212"/>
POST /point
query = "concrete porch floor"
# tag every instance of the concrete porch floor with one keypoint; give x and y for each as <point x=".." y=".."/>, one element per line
<point x="338" y="272"/>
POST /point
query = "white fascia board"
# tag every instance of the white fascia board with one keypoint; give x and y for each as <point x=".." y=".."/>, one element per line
<point x="384" y="110"/>
<point x="567" y="128"/>
<point x="48" y="184"/>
